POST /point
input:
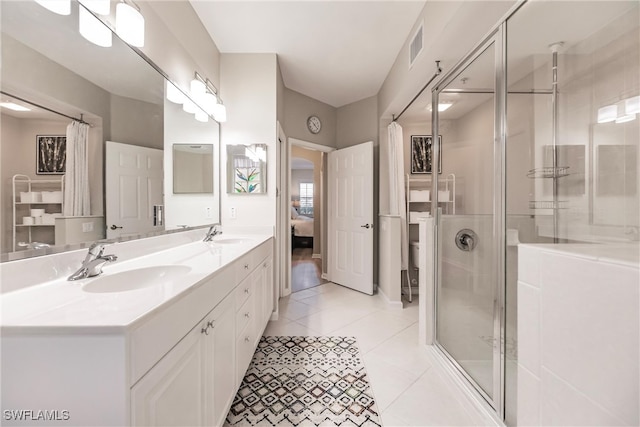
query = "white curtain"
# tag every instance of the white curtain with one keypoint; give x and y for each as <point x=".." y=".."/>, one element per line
<point x="397" y="203"/>
<point x="76" y="180"/>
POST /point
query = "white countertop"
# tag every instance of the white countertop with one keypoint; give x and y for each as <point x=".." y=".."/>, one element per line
<point x="60" y="305"/>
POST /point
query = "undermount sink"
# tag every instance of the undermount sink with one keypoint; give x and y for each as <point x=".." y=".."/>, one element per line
<point x="230" y="241"/>
<point x="139" y="278"/>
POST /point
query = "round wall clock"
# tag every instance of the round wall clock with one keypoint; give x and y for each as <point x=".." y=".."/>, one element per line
<point x="313" y="124"/>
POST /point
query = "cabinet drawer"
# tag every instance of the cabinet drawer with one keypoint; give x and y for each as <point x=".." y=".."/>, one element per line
<point x="244" y="349"/>
<point x="244" y="315"/>
<point x="261" y="252"/>
<point x="244" y="265"/>
<point x="243" y="292"/>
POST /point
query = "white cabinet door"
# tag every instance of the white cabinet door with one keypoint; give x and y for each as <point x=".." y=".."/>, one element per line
<point x="221" y="345"/>
<point x="173" y="392"/>
<point x="268" y="289"/>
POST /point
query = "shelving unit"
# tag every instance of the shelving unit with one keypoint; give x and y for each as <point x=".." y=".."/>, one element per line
<point x="23" y="183"/>
<point x="549" y="173"/>
<point x="446" y="188"/>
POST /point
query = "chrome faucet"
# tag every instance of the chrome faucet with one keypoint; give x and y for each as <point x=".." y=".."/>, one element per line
<point x="213" y="231"/>
<point x="93" y="262"/>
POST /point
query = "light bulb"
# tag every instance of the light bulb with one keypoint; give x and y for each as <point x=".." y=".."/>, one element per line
<point x="209" y="102"/>
<point x="93" y="30"/>
<point x="61" y="7"/>
<point x="197" y="87"/>
<point x="130" y="25"/>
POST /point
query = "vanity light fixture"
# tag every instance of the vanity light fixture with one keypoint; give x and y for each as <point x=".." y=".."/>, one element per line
<point x="101" y="7"/>
<point x="92" y="29"/>
<point x="198" y="87"/>
<point x="13" y="106"/>
<point x="130" y="23"/>
<point x="626" y="118"/>
<point x="61" y="7"/>
<point x="607" y="113"/>
<point x="209" y="102"/>
<point x="174" y="94"/>
<point x="206" y="94"/>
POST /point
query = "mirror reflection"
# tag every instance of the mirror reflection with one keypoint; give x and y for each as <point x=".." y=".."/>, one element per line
<point x="53" y="77"/>
<point x="247" y="169"/>
<point x="192" y="168"/>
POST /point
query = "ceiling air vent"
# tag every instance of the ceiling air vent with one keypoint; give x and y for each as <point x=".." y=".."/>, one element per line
<point x="416" y="46"/>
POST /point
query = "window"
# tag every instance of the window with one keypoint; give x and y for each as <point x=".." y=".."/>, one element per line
<point x="306" y="199"/>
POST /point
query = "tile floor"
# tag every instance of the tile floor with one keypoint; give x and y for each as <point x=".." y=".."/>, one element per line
<point x="409" y="387"/>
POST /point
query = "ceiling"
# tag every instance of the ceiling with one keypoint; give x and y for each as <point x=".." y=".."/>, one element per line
<point x="337" y="52"/>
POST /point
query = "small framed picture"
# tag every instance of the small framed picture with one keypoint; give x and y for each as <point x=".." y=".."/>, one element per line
<point x="52" y="154"/>
<point x="422" y="153"/>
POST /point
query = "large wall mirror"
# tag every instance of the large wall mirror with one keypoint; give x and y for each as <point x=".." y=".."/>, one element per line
<point x="56" y="75"/>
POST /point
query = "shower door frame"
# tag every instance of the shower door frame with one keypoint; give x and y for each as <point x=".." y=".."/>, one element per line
<point x="497" y="37"/>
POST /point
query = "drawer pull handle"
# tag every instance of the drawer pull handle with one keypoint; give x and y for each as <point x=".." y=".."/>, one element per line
<point x="246" y="339"/>
<point x="246" y="290"/>
<point x="205" y="330"/>
<point x="246" y="266"/>
<point x="264" y="265"/>
<point x="247" y="315"/>
<point x="209" y="324"/>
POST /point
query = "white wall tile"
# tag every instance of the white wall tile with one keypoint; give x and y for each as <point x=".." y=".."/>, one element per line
<point x="529" y="327"/>
<point x="528" y="398"/>
<point x="563" y="405"/>
<point x="529" y="265"/>
<point x="590" y="330"/>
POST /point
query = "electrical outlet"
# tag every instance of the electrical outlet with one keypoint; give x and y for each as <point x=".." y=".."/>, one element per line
<point x="232" y="212"/>
<point x="87" y="227"/>
<point x="208" y="212"/>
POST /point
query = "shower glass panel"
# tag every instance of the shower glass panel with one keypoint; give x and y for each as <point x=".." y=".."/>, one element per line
<point x="590" y="193"/>
<point x="467" y="239"/>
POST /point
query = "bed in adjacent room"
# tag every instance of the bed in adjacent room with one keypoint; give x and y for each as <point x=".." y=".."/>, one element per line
<point x="301" y="230"/>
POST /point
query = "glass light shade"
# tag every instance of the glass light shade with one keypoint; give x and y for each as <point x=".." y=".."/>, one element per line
<point x="209" y="101"/>
<point x="93" y="30"/>
<point x="174" y="95"/>
<point x="201" y="116"/>
<point x="197" y="88"/>
<point x="625" y="119"/>
<point x="220" y="113"/>
<point x="189" y="106"/>
<point x="61" y="7"/>
<point x="130" y="25"/>
<point x="607" y="113"/>
<point x="101" y="7"/>
<point x="632" y="105"/>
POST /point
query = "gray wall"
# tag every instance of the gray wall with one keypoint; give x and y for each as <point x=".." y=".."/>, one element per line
<point x="298" y="108"/>
<point x="357" y="122"/>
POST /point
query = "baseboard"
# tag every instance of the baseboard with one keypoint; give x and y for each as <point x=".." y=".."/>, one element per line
<point x="393" y="304"/>
<point x="325" y="276"/>
<point x="316" y="256"/>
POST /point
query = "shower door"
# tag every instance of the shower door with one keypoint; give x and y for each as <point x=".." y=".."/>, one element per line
<point x="469" y="265"/>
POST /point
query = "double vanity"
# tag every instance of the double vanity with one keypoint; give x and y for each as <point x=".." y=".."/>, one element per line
<point x="159" y="339"/>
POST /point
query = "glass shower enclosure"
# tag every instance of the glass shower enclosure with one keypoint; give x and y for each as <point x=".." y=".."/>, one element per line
<point x="542" y="136"/>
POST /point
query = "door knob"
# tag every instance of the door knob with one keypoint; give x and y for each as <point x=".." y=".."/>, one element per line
<point x="114" y="227"/>
<point x="367" y="226"/>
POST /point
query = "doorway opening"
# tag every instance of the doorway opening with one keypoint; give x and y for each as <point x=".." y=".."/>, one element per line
<point x="307" y="202"/>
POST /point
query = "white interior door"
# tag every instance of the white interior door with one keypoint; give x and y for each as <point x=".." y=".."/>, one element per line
<point x="350" y="209"/>
<point x="133" y="186"/>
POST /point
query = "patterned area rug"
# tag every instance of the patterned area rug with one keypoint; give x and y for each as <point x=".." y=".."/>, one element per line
<point x="305" y="381"/>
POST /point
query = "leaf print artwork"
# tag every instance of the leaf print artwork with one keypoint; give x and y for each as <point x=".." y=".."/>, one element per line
<point x="52" y="154"/>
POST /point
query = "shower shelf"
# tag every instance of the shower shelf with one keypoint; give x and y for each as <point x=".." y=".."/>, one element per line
<point x="548" y="204"/>
<point x="549" y="172"/>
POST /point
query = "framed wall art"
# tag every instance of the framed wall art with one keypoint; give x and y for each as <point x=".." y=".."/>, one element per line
<point x="52" y="154"/>
<point x="422" y="153"/>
